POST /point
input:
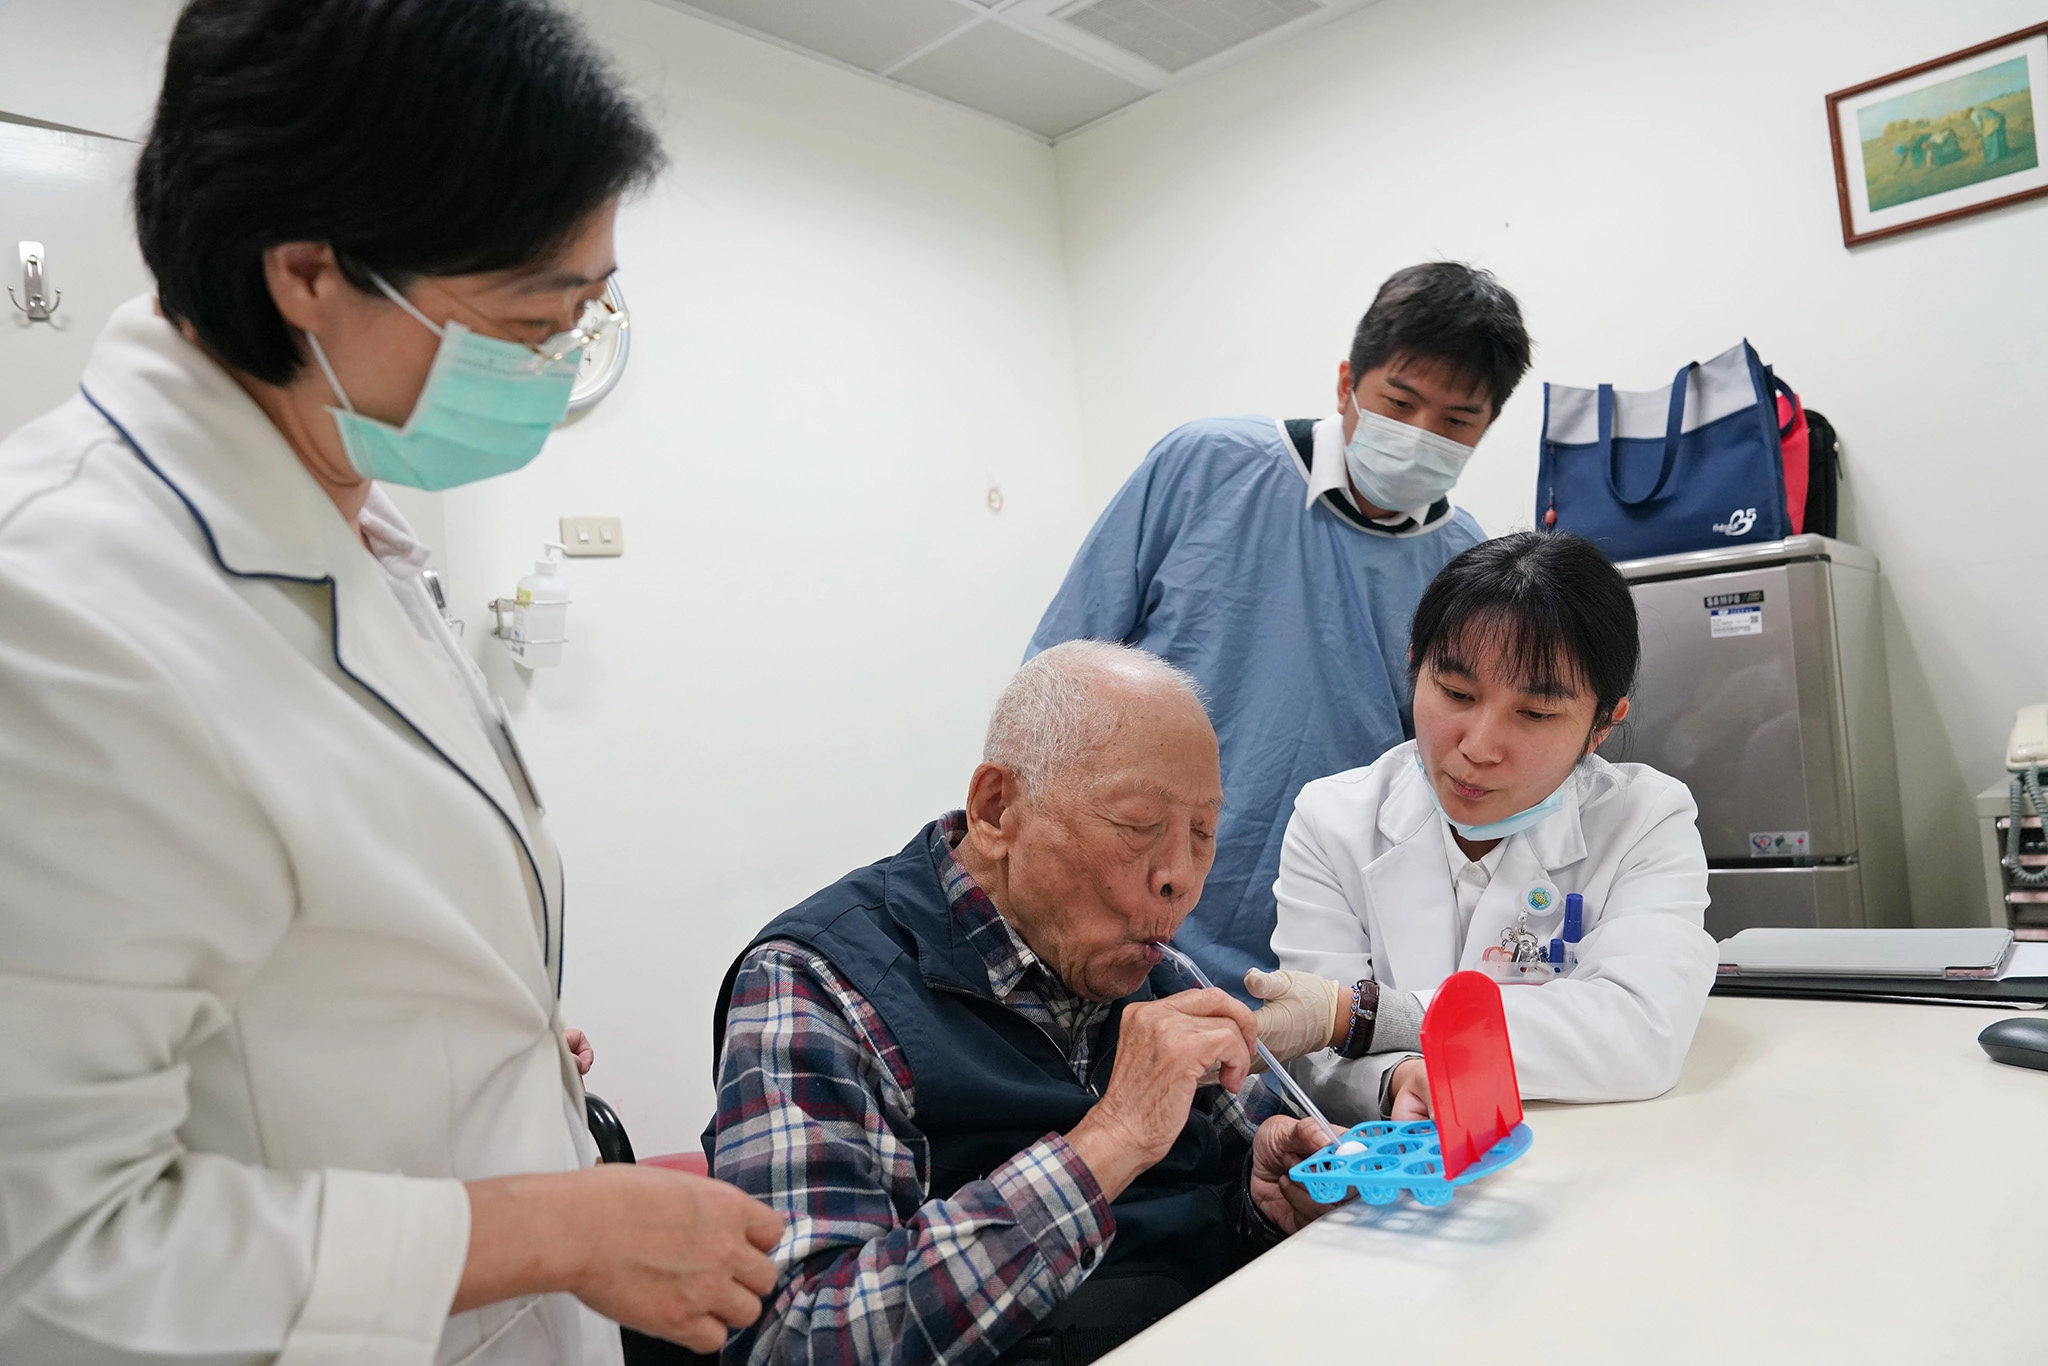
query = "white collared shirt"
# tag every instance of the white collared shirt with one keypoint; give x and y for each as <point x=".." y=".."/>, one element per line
<point x="1328" y="471"/>
<point x="1469" y="878"/>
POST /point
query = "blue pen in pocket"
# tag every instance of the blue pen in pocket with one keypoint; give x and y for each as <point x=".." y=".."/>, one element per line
<point x="1574" y="930"/>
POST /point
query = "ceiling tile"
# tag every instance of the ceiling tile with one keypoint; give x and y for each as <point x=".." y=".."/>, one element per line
<point x="870" y="34"/>
<point x="1000" y="71"/>
<point x="1175" y="34"/>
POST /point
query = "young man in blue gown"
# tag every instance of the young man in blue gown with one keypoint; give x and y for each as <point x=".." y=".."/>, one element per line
<point x="1279" y="563"/>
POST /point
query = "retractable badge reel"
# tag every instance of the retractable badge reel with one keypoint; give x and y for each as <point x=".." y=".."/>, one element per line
<point x="1522" y="955"/>
<point x="1478" y="1127"/>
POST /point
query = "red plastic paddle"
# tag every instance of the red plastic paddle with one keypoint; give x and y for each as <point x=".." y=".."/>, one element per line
<point x="1472" y="1089"/>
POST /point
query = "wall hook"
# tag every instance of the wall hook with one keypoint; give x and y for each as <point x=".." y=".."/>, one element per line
<point x="41" y="301"/>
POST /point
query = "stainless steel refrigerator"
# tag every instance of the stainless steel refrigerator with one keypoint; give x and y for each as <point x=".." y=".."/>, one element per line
<point x="1763" y="687"/>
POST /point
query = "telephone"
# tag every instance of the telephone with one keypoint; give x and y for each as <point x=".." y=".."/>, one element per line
<point x="2025" y="752"/>
<point x="2029" y="743"/>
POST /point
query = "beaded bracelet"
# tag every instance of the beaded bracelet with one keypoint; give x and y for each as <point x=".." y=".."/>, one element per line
<point x="1365" y="1003"/>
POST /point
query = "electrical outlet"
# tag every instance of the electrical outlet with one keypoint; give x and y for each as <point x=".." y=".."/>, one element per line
<point x="583" y="536"/>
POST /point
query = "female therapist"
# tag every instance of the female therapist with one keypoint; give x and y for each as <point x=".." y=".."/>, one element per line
<point x="280" y="922"/>
<point x="1395" y="876"/>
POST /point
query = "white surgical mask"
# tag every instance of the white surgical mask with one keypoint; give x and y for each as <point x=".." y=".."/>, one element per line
<point x="1400" y="467"/>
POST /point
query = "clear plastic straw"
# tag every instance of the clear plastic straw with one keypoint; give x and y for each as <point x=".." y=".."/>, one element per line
<point x="1273" y="1067"/>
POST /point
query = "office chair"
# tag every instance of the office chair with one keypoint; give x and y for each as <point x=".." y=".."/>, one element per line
<point x="609" y="1132"/>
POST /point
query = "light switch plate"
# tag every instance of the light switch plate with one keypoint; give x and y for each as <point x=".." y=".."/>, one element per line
<point x="584" y="536"/>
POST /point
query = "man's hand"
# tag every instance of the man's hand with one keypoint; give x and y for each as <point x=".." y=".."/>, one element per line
<point x="1302" y="1012"/>
<point x="579" y="1045"/>
<point x="1164" y="1050"/>
<point x="1281" y="1142"/>
<point x="680" y="1256"/>
<point x="1408" y="1093"/>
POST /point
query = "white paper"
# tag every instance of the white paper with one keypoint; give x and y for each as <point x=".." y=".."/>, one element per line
<point x="2029" y="959"/>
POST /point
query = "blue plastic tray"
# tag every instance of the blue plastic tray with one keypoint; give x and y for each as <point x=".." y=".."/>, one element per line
<point x="1398" y="1157"/>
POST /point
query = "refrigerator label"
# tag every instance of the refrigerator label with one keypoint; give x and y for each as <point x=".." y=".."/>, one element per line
<point x="1734" y="599"/>
<point x="1777" y="844"/>
<point x="1735" y="621"/>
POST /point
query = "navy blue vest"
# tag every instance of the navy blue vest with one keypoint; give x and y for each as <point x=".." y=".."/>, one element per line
<point x="988" y="1082"/>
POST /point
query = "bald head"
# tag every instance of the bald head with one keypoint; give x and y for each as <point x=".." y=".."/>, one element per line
<point x="1066" y="708"/>
<point x="1091" y="822"/>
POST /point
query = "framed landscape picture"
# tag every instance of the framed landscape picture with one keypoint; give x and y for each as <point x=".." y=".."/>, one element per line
<point x="1938" y="141"/>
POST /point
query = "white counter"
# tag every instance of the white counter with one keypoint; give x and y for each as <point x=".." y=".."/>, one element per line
<point x="1829" y="1182"/>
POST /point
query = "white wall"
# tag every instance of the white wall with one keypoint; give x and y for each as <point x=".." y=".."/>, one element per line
<point x="1654" y="181"/>
<point x="848" y="314"/>
<point x="68" y="191"/>
<point x="92" y="65"/>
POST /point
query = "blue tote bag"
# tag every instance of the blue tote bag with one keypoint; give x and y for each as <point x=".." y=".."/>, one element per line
<point x="1693" y="466"/>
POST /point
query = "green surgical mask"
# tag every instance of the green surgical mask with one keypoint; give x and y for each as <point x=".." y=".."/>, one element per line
<point x="487" y="407"/>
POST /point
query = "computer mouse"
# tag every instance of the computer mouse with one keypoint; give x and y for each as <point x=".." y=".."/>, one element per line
<point x="2021" y="1041"/>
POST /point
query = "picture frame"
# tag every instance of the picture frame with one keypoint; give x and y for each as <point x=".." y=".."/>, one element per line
<point x="1943" y="140"/>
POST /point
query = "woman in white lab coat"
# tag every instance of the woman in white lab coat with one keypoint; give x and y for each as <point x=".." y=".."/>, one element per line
<point x="1457" y="848"/>
<point x="280" y="920"/>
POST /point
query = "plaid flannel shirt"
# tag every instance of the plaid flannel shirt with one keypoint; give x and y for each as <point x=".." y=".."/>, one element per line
<point x="817" y="1116"/>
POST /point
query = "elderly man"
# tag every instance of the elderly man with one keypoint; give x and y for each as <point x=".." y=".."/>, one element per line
<point x="992" y="1124"/>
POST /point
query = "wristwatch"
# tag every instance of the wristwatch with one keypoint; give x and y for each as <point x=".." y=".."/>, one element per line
<point x="1365" y="1004"/>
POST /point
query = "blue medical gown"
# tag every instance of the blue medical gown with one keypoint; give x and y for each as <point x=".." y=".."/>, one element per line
<point x="1294" y="620"/>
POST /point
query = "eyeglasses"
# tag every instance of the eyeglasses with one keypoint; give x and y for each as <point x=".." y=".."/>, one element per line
<point x="600" y="319"/>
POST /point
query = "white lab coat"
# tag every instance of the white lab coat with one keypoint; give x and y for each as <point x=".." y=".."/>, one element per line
<point x="1365" y="890"/>
<point x="280" y="925"/>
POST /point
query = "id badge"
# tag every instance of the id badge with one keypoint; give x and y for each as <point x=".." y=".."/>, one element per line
<point x="518" y="757"/>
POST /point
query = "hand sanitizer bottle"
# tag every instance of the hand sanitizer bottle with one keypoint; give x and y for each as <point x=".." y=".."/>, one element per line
<point x="540" y="613"/>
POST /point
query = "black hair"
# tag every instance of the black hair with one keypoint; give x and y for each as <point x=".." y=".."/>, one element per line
<point x="417" y="137"/>
<point x="1547" y="604"/>
<point x="1455" y="315"/>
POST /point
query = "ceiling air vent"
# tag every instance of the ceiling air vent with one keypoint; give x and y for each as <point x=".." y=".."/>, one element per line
<point x="1175" y="34"/>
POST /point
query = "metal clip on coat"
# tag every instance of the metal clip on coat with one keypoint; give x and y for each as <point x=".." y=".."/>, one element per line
<point x="1478" y="1127"/>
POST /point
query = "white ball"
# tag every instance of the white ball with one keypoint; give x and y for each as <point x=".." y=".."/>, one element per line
<point x="1350" y="1148"/>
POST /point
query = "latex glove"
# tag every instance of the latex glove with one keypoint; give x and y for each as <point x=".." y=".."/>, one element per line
<point x="1301" y="1011"/>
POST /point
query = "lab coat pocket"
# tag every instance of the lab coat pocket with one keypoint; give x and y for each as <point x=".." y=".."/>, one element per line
<point x="498" y="1335"/>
